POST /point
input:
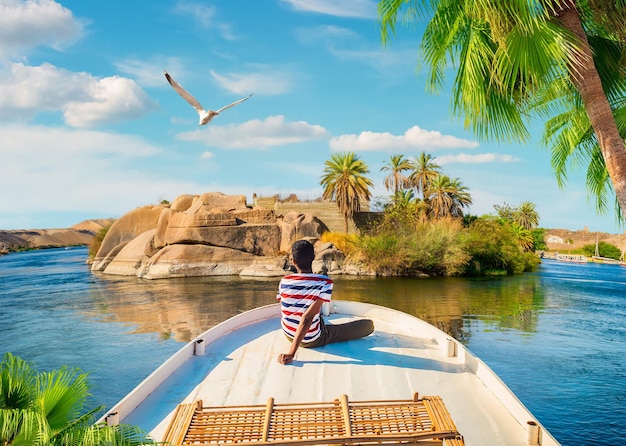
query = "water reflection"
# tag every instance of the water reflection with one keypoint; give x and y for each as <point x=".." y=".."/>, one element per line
<point x="183" y="308"/>
<point x="176" y="308"/>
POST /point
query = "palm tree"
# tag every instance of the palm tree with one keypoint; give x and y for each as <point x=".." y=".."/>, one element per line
<point x="513" y="57"/>
<point x="447" y="197"/>
<point x="396" y="181"/>
<point x="523" y="236"/>
<point x="45" y="408"/>
<point x="404" y="198"/>
<point x="526" y="216"/>
<point x="344" y="181"/>
<point x="424" y="171"/>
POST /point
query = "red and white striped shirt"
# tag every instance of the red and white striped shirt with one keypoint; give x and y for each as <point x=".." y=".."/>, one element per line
<point x="296" y="293"/>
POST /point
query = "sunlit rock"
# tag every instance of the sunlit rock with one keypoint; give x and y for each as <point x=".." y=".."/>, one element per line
<point x="204" y="235"/>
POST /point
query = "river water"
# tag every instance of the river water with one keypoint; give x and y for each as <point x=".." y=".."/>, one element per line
<point x="556" y="337"/>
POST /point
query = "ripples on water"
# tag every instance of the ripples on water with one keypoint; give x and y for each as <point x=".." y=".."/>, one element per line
<point x="556" y="337"/>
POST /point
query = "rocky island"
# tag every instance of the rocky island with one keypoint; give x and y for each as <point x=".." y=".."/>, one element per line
<point x="206" y="235"/>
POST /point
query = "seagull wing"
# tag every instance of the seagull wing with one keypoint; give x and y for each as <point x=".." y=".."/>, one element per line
<point x="186" y="96"/>
<point x="233" y="104"/>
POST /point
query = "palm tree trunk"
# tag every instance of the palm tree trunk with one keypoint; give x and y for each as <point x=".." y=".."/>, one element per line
<point x="345" y="223"/>
<point x="586" y="78"/>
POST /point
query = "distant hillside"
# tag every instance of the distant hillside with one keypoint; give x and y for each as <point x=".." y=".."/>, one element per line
<point x="83" y="232"/>
<point x="79" y="234"/>
<point x="565" y="239"/>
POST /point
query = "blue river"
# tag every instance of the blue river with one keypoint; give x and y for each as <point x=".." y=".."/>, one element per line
<point x="556" y="337"/>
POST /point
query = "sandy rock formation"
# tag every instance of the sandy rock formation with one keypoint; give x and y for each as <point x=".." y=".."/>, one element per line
<point x="80" y="234"/>
<point x="202" y="235"/>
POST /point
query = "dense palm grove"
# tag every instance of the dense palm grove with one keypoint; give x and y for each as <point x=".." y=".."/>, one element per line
<point x="423" y="228"/>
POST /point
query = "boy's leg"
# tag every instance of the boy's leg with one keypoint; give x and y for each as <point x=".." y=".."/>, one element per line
<point x="332" y="333"/>
<point x="348" y="331"/>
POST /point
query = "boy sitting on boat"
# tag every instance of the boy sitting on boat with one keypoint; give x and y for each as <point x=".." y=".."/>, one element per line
<point x="301" y="296"/>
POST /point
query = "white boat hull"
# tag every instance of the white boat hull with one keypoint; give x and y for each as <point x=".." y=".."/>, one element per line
<point x="237" y="365"/>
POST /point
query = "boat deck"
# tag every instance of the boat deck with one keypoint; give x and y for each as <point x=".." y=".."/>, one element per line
<point x="396" y="361"/>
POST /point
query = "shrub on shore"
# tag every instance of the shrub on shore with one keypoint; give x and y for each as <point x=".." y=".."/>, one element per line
<point x="95" y="244"/>
<point x="493" y="249"/>
<point x="430" y="248"/>
<point x="444" y="247"/>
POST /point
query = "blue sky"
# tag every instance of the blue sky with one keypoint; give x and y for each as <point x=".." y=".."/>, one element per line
<point x="90" y="128"/>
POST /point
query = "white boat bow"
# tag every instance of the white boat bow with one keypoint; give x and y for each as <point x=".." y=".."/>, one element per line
<point x="235" y="363"/>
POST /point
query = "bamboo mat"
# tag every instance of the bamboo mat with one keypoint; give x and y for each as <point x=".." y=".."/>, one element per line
<point x="420" y="421"/>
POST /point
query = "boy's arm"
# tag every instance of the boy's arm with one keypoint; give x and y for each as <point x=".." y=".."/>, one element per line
<point x="303" y="327"/>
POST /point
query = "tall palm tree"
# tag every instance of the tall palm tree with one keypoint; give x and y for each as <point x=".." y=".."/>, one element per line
<point x="497" y="82"/>
<point x="424" y="171"/>
<point x="344" y="181"/>
<point x="46" y="409"/>
<point x="526" y="216"/>
<point x="447" y="197"/>
<point x="396" y="181"/>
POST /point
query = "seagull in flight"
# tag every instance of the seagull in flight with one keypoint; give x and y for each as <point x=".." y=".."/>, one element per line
<point x="205" y="115"/>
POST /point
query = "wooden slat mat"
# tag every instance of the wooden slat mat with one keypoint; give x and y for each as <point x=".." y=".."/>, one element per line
<point x="421" y="421"/>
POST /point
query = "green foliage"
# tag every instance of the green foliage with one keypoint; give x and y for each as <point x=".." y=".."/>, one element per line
<point x="427" y="248"/>
<point x="396" y="180"/>
<point x="96" y="242"/>
<point x="539" y="239"/>
<point x="344" y="181"/>
<point x="604" y="250"/>
<point x="47" y="408"/>
<point x="493" y="248"/>
<point x="163" y="201"/>
<point x="514" y="61"/>
<point x="406" y="241"/>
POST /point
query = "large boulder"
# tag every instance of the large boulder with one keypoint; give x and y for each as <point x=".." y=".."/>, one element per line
<point x="125" y="229"/>
<point x="130" y="256"/>
<point x="203" y="235"/>
<point x="202" y="260"/>
<point x="295" y="226"/>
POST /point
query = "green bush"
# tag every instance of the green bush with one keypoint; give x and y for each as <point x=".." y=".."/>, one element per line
<point x="493" y="250"/>
<point x="431" y="248"/>
<point x="95" y="244"/>
<point x="539" y="239"/>
<point x="604" y="250"/>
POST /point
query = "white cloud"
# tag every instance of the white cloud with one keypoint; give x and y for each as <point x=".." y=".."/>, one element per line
<point x="257" y="134"/>
<point x="382" y="60"/>
<point x="414" y="138"/>
<point x="74" y="170"/>
<point x="206" y="17"/>
<point x="313" y="35"/>
<point x="84" y="100"/>
<point x="206" y="155"/>
<point x="150" y="74"/>
<point x="480" y="158"/>
<point x="265" y="81"/>
<point x="348" y="46"/>
<point x="32" y="23"/>
<point x="362" y="9"/>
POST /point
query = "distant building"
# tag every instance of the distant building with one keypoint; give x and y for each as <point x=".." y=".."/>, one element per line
<point x="554" y="239"/>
